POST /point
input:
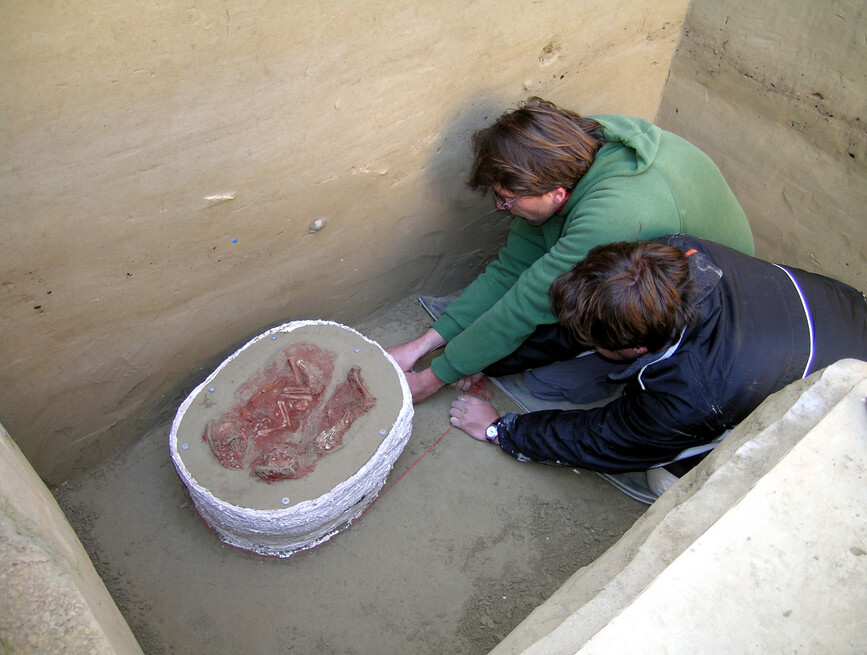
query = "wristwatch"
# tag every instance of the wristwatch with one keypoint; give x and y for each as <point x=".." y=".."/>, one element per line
<point x="493" y="431"/>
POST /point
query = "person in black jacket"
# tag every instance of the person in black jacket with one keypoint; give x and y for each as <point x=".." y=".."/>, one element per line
<point x="706" y="332"/>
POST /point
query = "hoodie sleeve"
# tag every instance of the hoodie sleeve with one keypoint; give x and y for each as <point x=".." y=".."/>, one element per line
<point x="632" y="433"/>
<point x="515" y="300"/>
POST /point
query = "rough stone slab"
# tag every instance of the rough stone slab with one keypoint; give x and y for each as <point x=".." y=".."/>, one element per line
<point x="782" y="571"/>
<point x="51" y="598"/>
<point x="596" y="594"/>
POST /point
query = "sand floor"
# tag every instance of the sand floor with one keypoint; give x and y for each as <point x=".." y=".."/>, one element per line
<point x="448" y="560"/>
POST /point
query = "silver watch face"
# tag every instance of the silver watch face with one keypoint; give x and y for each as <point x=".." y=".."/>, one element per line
<point x="491" y="432"/>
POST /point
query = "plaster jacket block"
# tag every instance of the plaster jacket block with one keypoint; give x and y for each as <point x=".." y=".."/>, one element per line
<point x="282" y="516"/>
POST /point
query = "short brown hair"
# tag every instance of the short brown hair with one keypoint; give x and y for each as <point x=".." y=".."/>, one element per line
<point x="535" y="149"/>
<point x="624" y="295"/>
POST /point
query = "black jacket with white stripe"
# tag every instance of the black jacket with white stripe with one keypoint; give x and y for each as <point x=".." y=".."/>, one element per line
<point x="759" y="327"/>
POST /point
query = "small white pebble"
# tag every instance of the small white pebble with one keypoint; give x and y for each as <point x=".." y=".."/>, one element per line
<point x="316" y="225"/>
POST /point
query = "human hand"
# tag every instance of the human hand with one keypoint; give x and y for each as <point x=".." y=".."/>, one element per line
<point x="407" y="354"/>
<point x="473" y="415"/>
<point x="423" y="384"/>
<point x="468" y="382"/>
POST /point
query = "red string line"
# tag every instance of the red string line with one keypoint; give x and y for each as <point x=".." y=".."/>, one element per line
<point x="478" y="389"/>
<point x="409" y="468"/>
<point x="481" y="389"/>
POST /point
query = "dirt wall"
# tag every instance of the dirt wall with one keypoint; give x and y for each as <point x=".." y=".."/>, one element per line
<point x="776" y="94"/>
<point x="176" y="178"/>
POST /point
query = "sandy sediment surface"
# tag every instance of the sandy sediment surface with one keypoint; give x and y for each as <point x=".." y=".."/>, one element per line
<point x="451" y="558"/>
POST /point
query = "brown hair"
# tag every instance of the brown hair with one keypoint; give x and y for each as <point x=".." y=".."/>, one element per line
<point x="534" y="149"/>
<point x="624" y="295"/>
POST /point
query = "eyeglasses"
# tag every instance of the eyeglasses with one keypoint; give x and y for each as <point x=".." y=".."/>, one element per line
<point x="503" y="204"/>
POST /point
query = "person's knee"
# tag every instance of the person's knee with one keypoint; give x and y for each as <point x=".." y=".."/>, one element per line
<point x="581" y="380"/>
<point x="541" y="387"/>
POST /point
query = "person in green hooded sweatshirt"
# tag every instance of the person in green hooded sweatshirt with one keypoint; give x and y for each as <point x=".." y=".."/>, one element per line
<point x="571" y="183"/>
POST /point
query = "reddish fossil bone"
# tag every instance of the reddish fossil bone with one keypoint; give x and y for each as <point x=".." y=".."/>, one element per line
<point x="283" y="399"/>
<point x="282" y="462"/>
<point x="350" y="401"/>
<point x="282" y="430"/>
<point x="228" y="442"/>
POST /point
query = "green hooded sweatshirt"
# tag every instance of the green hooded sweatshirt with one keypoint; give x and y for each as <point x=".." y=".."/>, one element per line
<point x="643" y="184"/>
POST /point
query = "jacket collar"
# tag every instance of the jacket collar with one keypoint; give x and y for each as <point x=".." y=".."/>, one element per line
<point x="637" y="366"/>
